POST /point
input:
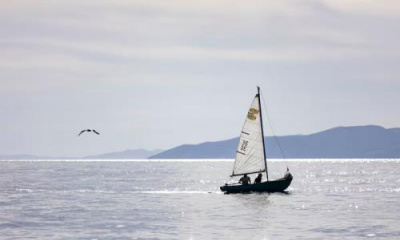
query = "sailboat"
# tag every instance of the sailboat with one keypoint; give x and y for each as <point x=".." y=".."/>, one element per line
<point x="251" y="158"/>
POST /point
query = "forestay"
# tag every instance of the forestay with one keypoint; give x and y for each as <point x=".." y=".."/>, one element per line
<point x="250" y="151"/>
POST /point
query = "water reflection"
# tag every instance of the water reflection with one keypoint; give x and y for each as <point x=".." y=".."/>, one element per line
<point x="182" y="200"/>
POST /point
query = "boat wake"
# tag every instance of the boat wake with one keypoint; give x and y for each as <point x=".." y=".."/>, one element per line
<point x="180" y="192"/>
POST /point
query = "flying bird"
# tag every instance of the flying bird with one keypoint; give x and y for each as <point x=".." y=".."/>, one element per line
<point x="88" y="130"/>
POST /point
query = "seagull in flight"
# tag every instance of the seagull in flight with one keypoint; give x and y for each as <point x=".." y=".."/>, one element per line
<point x="88" y="130"/>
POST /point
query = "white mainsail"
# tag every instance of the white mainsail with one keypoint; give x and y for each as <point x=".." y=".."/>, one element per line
<point x="250" y="151"/>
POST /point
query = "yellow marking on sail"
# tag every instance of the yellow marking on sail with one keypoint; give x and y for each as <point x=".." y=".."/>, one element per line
<point x="252" y="113"/>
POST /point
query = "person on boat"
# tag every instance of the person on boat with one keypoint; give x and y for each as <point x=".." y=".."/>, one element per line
<point x="245" y="180"/>
<point x="258" y="178"/>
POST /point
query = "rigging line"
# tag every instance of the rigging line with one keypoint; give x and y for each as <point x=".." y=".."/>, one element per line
<point x="272" y="128"/>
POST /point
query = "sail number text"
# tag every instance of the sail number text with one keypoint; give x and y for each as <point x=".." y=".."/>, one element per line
<point x="244" y="145"/>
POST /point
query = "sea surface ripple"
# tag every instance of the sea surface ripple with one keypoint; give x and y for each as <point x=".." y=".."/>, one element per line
<point x="180" y="199"/>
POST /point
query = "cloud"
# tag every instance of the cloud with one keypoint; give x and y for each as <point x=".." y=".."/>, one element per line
<point x="174" y="64"/>
<point x="383" y="8"/>
<point x="255" y="30"/>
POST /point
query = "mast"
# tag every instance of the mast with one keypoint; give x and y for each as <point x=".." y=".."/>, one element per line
<point x="262" y="131"/>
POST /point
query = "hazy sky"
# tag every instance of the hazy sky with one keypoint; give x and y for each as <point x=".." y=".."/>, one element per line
<point x="157" y="74"/>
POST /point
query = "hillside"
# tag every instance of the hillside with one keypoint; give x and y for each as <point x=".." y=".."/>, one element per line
<point x="340" y="142"/>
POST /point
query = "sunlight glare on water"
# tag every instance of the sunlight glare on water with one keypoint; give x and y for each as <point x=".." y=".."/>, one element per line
<point x="179" y="199"/>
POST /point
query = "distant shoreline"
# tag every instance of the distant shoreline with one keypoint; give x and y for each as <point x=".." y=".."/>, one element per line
<point x="210" y="160"/>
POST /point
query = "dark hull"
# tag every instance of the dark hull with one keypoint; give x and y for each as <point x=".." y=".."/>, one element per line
<point x="278" y="185"/>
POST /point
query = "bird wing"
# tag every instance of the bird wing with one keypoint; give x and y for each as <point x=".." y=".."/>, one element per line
<point x="96" y="132"/>
<point x="81" y="132"/>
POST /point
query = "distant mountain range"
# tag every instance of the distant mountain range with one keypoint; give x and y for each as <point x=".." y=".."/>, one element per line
<point x="341" y="142"/>
<point x="22" y="156"/>
<point x="127" y="154"/>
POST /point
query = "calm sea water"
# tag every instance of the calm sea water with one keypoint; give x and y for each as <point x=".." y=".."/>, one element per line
<point x="335" y="199"/>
